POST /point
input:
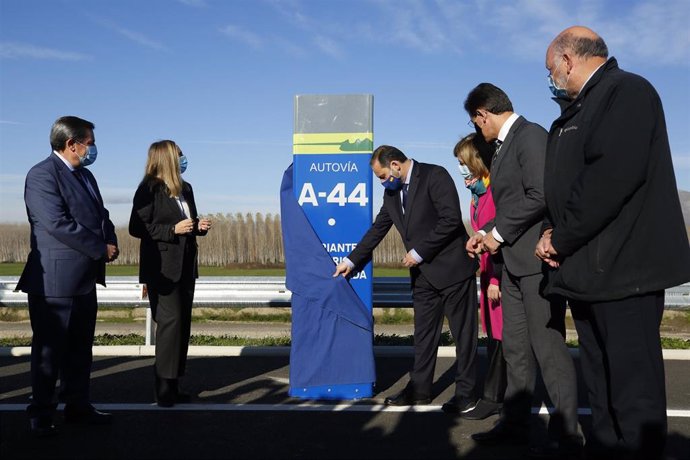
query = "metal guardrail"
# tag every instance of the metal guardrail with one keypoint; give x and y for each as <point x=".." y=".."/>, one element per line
<point x="263" y="291"/>
<point x="251" y="291"/>
<point x="219" y="291"/>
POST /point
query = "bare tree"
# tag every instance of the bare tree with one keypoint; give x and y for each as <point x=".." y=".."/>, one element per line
<point x="235" y="239"/>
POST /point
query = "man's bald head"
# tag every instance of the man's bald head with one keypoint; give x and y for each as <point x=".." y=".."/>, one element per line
<point x="573" y="56"/>
<point x="579" y="41"/>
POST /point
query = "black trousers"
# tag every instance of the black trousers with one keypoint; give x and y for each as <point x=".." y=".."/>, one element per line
<point x="533" y="335"/>
<point x="623" y="368"/>
<point x="496" y="380"/>
<point x="61" y="346"/>
<point x="459" y="304"/>
<point x="171" y="306"/>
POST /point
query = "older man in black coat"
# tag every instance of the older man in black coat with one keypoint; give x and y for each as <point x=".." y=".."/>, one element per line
<point x="611" y="193"/>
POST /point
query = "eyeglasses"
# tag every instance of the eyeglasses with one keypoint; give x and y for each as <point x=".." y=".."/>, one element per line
<point x="471" y="123"/>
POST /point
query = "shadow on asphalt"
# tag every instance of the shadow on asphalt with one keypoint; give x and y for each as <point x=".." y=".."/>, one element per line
<point x="221" y="433"/>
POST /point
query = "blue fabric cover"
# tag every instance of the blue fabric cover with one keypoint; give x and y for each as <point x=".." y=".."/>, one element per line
<point x="332" y="330"/>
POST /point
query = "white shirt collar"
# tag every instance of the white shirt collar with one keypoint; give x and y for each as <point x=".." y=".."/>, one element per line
<point x="67" y="163"/>
<point x="409" y="172"/>
<point x="503" y="132"/>
<point x="590" y="76"/>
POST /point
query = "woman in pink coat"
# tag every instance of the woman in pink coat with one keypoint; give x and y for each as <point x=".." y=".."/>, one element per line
<point x="469" y="151"/>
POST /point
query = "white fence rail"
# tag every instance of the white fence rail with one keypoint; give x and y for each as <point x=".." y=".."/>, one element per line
<point x="252" y="291"/>
<point x="263" y="291"/>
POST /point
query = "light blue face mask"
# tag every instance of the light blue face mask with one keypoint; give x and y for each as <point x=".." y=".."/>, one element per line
<point x="90" y="156"/>
<point x="183" y="164"/>
<point x="465" y="172"/>
<point x="556" y="90"/>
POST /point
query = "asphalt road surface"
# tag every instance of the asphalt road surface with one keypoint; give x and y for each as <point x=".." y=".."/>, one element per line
<point x="241" y="409"/>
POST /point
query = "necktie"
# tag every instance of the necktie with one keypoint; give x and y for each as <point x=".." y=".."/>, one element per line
<point x="82" y="180"/>
<point x="497" y="146"/>
<point x="404" y="198"/>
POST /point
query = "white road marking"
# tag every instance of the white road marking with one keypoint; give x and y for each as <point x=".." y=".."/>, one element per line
<point x="297" y="407"/>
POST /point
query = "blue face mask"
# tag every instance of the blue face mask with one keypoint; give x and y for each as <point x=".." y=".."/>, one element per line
<point x="558" y="92"/>
<point x="392" y="183"/>
<point x="183" y="164"/>
<point x="465" y="172"/>
<point x="90" y="156"/>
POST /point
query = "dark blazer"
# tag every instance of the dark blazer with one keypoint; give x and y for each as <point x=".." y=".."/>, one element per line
<point x="432" y="226"/>
<point x="517" y="181"/>
<point x="69" y="232"/>
<point x="611" y="192"/>
<point x="162" y="254"/>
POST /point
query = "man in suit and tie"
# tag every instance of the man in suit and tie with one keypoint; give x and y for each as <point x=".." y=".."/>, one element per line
<point x="72" y="238"/>
<point x="422" y="202"/>
<point x="533" y="326"/>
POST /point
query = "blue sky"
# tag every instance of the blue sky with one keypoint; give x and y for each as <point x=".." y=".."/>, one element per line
<point x="219" y="78"/>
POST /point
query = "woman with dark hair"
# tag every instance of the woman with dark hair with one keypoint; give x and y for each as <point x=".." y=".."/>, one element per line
<point x="474" y="154"/>
<point x="164" y="217"/>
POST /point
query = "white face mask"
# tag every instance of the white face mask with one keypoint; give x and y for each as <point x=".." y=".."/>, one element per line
<point x="465" y="172"/>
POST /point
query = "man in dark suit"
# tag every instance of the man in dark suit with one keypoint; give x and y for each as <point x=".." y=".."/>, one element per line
<point x="72" y="238"/>
<point x="422" y="202"/>
<point x="614" y="228"/>
<point x="533" y="327"/>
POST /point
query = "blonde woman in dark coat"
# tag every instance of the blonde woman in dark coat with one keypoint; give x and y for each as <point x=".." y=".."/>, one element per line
<point x="164" y="217"/>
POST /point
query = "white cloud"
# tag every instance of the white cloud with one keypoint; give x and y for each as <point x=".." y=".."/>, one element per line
<point x="291" y="11"/>
<point x="10" y="122"/>
<point x="639" y="30"/>
<point x="139" y="38"/>
<point x="649" y="31"/>
<point x="242" y="35"/>
<point x="13" y="50"/>
<point x="290" y="48"/>
<point x="642" y="31"/>
<point x="328" y="46"/>
<point x="420" y="25"/>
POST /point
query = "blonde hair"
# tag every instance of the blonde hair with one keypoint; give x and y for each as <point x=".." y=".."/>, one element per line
<point x="466" y="151"/>
<point x="163" y="164"/>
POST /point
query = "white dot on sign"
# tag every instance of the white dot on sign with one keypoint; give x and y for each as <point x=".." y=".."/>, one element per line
<point x="331" y="221"/>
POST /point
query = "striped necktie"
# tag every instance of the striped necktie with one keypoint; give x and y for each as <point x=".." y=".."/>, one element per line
<point x="497" y="146"/>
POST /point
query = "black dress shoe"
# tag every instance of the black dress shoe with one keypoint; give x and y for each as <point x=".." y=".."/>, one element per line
<point x="42" y="427"/>
<point x="407" y="398"/>
<point x="169" y="400"/>
<point x="460" y="406"/>
<point x="500" y="434"/>
<point x="483" y="409"/>
<point x="87" y="415"/>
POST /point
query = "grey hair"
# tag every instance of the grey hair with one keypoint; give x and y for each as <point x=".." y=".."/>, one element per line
<point x="69" y="127"/>
<point x="584" y="47"/>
